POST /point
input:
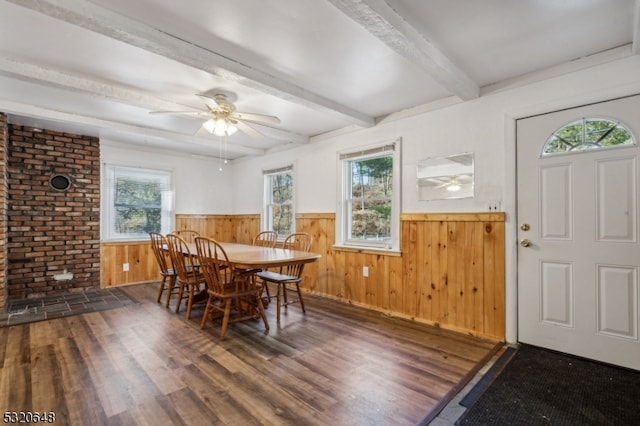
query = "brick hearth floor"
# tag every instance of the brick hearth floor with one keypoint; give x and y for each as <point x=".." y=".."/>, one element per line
<point x="32" y="310"/>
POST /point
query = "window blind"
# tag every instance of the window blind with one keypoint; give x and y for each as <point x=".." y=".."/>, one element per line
<point x="371" y="151"/>
<point x="278" y="170"/>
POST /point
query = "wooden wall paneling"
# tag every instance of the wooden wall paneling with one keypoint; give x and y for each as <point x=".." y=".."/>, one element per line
<point x="106" y="266"/>
<point x="410" y="244"/>
<point x="320" y="276"/>
<point x="354" y="264"/>
<point x="139" y="256"/>
<point x="500" y="283"/>
<point x="416" y="258"/>
<point x="488" y="319"/>
<point x="194" y="222"/>
<point x="470" y="295"/>
<point x="382" y="269"/>
<point x="438" y="234"/>
<point x="493" y="319"/>
<point x="246" y="227"/>
<point x="450" y="272"/>
<point x="340" y="288"/>
<point x="221" y="228"/>
<point x="453" y="272"/>
<point x="440" y="278"/>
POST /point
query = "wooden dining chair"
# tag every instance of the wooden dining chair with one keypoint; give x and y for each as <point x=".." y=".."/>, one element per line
<point x="167" y="272"/>
<point x="230" y="290"/>
<point x="189" y="235"/>
<point x="288" y="277"/>
<point x="185" y="263"/>
<point x="266" y="239"/>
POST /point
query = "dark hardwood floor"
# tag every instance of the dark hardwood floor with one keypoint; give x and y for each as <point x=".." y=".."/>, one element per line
<point x="144" y="364"/>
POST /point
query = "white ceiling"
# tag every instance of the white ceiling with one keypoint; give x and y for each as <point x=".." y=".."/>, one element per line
<point x="99" y="67"/>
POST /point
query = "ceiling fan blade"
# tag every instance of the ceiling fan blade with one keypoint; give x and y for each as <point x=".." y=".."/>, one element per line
<point x="190" y="113"/>
<point x="258" y="118"/>
<point x="210" y="100"/>
<point x="244" y="127"/>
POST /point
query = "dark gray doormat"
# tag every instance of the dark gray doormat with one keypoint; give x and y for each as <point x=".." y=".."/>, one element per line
<point x="32" y="310"/>
<point x="543" y="387"/>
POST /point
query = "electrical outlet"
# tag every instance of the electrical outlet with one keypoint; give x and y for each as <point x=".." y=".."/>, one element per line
<point x="493" y="206"/>
<point x="125" y="267"/>
<point x="365" y="271"/>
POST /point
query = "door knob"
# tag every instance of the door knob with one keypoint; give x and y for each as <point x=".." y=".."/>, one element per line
<point x="525" y="243"/>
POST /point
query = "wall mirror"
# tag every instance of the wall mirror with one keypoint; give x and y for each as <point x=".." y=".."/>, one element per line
<point x="446" y="178"/>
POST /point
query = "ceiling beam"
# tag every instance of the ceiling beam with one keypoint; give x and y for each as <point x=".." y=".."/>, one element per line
<point x="85" y="14"/>
<point x="21" y="109"/>
<point x="57" y="79"/>
<point x="635" y="46"/>
<point x="378" y="18"/>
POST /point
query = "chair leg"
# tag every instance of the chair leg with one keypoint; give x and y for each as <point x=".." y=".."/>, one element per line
<point x="225" y="318"/>
<point x="172" y="284"/>
<point x="300" y="297"/>
<point x="278" y="303"/>
<point x="162" y="284"/>
<point x="207" y="309"/>
<point x="265" y="286"/>
<point x="192" y="291"/>
<point x="263" y="315"/>
<point x="180" y="294"/>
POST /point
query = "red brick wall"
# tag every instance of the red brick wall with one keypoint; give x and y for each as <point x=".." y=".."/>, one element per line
<point x="3" y="211"/>
<point x="50" y="231"/>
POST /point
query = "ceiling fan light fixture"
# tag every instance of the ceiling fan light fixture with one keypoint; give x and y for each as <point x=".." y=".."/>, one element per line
<point x="231" y="129"/>
<point x="222" y="119"/>
<point x="220" y="127"/>
<point x="210" y="125"/>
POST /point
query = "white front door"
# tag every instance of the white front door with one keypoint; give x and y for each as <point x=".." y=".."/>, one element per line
<point x="578" y="276"/>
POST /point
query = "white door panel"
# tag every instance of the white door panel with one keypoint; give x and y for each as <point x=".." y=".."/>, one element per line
<point x="578" y="288"/>
<point x="616" y="199"/>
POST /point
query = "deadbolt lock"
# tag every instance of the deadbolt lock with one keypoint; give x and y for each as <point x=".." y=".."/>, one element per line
<point x="525" y="227"/>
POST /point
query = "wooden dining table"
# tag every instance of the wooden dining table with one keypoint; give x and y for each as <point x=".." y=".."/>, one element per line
<point x="247" y="256"/>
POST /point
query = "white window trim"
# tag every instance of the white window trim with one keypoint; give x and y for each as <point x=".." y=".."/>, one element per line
<point x="343" y="189"/>
<point x="107" y="213"/>
<point x="266" y="196"/>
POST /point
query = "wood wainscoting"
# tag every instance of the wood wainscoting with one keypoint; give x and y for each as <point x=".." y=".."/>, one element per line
<point x="450" y="272"/>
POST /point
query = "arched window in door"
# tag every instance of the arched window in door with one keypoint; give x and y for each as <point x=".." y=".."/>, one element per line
<point x="588" y="133"/>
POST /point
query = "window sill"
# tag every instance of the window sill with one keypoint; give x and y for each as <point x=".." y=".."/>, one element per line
<point x="367" y="250"/>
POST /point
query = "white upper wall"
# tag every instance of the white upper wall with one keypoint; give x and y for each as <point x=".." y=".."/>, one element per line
<point x="201" y="188"/>
<point x="484" y="126"/>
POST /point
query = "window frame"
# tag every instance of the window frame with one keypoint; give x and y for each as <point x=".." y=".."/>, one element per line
<point x="343" y="216"/>
<point x="267" y="201"/>
<point x="167" y="215"/>
<point x="585" y="146"/>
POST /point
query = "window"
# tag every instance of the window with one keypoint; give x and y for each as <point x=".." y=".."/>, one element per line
<point x="369" y="204"/>
<point x="136" y="202"/>
<point x="586" y="134"/>
<point x="278" y="214"/>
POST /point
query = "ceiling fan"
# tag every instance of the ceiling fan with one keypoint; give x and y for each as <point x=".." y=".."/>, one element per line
<point x="222" y="119"/>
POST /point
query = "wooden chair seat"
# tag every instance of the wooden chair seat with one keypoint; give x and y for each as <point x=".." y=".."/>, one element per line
<point x="276" y="277"/>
